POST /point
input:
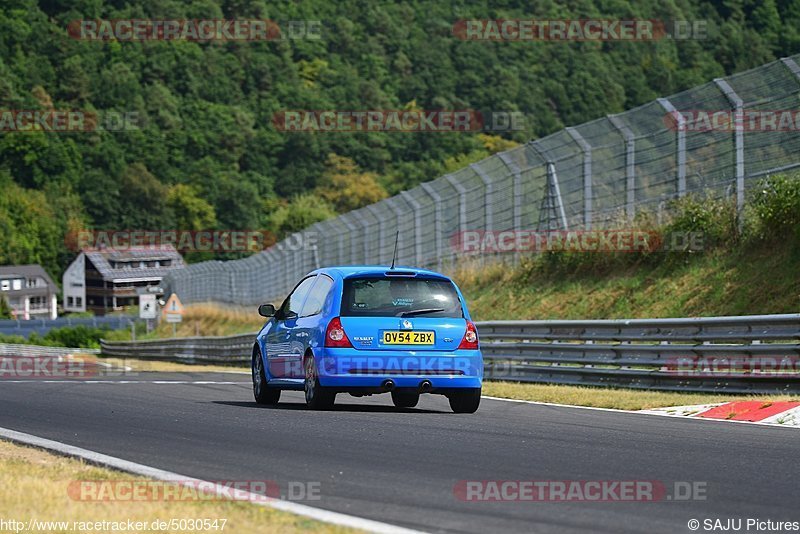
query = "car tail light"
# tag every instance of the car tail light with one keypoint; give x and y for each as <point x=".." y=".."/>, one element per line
<point x="335" y="336"/>
<point x="470" y="340"/>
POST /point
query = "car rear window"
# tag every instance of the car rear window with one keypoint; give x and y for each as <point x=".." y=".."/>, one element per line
<point x="398" y="297"/>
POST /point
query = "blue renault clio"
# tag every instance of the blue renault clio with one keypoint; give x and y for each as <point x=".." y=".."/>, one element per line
<point x="365" y="330"/>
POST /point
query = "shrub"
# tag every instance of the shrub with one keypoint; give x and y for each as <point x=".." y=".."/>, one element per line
<point x="776" y="206"/>
<point x="74" y="336"/>
<point x="714" y="219"/>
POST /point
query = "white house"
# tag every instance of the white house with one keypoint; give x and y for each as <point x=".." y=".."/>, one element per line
<point x="109" y="280"/>
<point x="29" y="291"/>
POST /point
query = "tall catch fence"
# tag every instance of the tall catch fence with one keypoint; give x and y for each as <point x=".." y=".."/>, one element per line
<point x="715" y="140"/>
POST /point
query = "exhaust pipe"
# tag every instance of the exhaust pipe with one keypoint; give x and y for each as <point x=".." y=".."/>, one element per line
<point x="425" y="386"/>
<point x="388" y="384"/>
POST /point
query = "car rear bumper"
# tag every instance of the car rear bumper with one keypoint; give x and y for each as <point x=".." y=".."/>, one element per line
<point x="350" y="368"/>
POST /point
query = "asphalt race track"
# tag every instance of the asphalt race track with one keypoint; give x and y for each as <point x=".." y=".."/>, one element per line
<point x="401" y="466"/>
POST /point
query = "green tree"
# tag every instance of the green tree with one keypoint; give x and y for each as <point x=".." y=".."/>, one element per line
<point x="300" y="213"/>
<point x="191" y="211"/>
<point x="5" y="309"/>
<point x="345" y="187"/>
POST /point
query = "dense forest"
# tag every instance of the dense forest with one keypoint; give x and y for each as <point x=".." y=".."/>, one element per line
<point x="205" y="154"/>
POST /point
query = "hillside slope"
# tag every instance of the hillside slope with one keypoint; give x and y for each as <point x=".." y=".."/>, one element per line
<point x="206" y="155"/>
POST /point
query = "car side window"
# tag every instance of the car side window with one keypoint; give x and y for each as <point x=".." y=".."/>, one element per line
<point x="316" y="298"/>
<point x="294" y="302"/>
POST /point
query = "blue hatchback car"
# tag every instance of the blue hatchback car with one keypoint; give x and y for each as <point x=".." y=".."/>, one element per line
<point x="368" y="330"/>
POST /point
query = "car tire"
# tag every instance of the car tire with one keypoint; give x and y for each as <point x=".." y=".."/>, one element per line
<point x="261" y="391"/>
<point x="317" y="397"/>
<point x="405" y="399"/>
<point x="466" y="401"/>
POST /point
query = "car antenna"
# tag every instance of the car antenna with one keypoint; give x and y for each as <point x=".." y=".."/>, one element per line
<point x="394" y="254"/>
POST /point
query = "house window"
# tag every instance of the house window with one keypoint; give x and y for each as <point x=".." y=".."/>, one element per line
<point x="70" y="301"/>
<point x="79" y="301"/>
<point x="166" y="263"/>
<point x="17" y="284"/>
<point x="5" y="285"/>
<point x="150" y="263"/>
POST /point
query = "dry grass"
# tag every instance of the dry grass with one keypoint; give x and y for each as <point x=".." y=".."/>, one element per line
<point x="202" y="320"/>
<point x="35" y="486"/>
<point x="621" y="399"/>
<point x="208" y="320"/>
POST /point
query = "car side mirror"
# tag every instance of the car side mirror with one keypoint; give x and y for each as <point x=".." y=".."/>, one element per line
<point x="266" y="310"/>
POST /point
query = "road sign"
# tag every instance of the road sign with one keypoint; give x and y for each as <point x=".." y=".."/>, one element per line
<point x="147" y="307"/>
<point x="173" y="309"/>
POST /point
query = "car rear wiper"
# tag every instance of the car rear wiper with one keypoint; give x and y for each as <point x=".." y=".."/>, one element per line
<point x="420" y="312"/>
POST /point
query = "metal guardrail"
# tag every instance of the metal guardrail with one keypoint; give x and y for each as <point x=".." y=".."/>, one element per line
<point x="228" y="350"/>
<point x="744" y="354"/>
<point x="33" y="351"/>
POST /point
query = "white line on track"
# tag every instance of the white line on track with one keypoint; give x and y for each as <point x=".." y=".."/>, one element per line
<point x="119" y="464"/>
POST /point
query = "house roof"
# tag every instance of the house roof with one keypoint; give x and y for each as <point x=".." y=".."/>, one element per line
<point x="33" y="270"/>
<point x="105" y="260"/>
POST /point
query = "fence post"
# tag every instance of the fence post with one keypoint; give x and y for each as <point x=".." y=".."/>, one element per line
<point x="586" y="148"/>
<point x="417" y="226"/>
<point x="515" y="171"/>
<point x="296" y="262"/>
<point x="488" y="198"/>
<point x="462" y="204"/>
<point x="552" y="189"/>
<point x="381" y="231"/>
<point x="351" y="228"/>
<point x="630" y="165"/>
<point x="791" y="65"/>
<point x="437" y="220"/>
<point x="398" y="212"/>
<point x="680" y="155"/>
<point x="364" y="224"/>
<point x="285" y="271"/>
<point x="737" y="106"/>
<point x="268" y="278"/>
